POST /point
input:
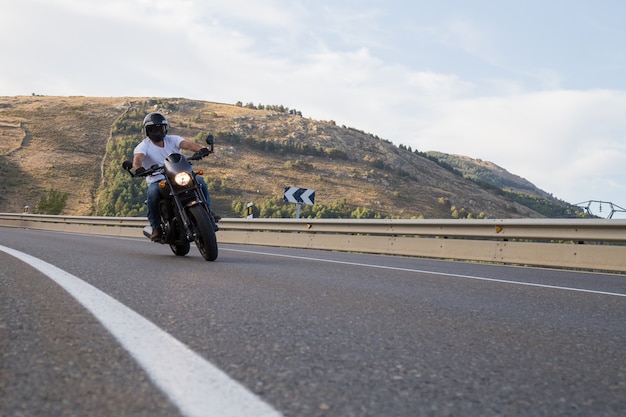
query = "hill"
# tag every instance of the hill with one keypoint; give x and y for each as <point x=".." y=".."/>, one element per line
<point x="486" y="172"/>
<point x="76" y="145"/>
<point x="501" y="181"/>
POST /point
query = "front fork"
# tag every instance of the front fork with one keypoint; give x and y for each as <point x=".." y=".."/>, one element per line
<point x="183" y="215"/>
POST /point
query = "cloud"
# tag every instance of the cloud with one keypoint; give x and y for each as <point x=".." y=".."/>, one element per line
<point x="556" y="139"/>
<point x="456" y="82"/>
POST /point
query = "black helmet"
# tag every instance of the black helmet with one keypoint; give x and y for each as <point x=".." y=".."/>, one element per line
<point x="155" y="126"/>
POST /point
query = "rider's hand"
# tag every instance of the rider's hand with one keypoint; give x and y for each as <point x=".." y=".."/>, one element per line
<point x="201" y="154"/>
<point x="140" y="171"/>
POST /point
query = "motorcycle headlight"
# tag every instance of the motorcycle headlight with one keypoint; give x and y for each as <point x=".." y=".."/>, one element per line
<point x="182" y="178"/>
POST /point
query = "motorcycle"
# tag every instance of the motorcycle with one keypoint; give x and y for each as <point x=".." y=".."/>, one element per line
<point x="185" y="215"/>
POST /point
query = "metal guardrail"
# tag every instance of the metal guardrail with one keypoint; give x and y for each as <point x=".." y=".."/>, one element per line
<point x="591" y="244"/>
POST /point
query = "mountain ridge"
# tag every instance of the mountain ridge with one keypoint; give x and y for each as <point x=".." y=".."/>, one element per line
<point x="72" y="144"/>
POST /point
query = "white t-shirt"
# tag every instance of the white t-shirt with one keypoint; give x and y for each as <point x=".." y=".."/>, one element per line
<point x="156" y="155"/>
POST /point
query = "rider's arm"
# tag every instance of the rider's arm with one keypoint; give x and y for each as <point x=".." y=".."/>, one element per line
<point x="138" y="160"/>
<point x="190" y="146"/>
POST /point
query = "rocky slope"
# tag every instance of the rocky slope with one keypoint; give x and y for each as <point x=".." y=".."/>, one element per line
<point x="61" y="143"/>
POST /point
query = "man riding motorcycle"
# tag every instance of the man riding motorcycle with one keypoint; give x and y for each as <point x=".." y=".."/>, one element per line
<point x="153" y="149"/>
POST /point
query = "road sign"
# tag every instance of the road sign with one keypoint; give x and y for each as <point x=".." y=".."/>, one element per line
<point x="299" y="195"/>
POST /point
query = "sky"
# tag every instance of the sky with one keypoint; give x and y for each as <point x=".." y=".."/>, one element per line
<point x="537" y="87"/>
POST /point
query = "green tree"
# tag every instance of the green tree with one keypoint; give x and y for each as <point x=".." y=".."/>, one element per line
<point x="52" y="202"/>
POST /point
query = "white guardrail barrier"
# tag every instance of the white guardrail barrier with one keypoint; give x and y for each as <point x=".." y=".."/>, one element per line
<point x="590" y="244"/>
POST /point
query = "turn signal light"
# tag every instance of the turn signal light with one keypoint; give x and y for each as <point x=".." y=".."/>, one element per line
<point x="162" y="184"/>
<point x="201" y="171"/>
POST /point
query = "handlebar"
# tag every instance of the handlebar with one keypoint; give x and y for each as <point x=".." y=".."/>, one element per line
<point x="127" y="165"/>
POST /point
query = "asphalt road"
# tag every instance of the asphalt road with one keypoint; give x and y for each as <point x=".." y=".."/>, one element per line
<point x="271" y="331"/>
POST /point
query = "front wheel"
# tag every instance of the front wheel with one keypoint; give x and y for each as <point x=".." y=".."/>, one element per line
<point x="204" y="233"/>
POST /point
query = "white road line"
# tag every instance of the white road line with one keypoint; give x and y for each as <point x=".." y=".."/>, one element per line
<point x="194" y="385"/>
<point x="393" y="268"/>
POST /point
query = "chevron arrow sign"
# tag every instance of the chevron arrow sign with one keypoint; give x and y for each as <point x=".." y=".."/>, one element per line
<point x="299" y="195"/>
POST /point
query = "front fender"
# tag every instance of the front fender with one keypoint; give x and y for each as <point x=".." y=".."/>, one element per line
<point x="194" y="203"/>
<point x="191" y="203"/>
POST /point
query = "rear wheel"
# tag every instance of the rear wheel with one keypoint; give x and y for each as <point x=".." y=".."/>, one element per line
<point x="204" y="232"/>
<point x="177" y="240"/>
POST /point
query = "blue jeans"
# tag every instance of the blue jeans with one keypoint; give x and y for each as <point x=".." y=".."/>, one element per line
<point x="154" y="197"/>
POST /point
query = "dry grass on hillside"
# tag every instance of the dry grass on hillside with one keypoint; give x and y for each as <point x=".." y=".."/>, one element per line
<point x="60" y="142"/>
